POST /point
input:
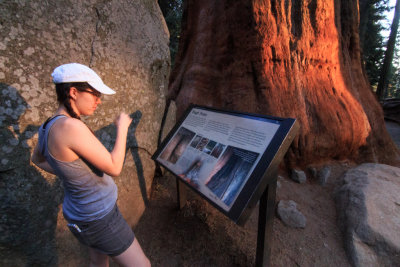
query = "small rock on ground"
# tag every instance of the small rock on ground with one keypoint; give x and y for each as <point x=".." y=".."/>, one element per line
<point x="290" y="216"/>
<point x="298" y="176"/>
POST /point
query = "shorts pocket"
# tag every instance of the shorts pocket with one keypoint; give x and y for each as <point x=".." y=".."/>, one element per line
<point x="78" y="233"/>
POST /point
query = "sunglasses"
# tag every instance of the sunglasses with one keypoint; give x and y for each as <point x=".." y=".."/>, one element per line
<point x="95" y="93"/>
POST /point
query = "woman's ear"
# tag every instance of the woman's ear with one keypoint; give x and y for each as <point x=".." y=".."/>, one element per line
<point x="73" y="92"/>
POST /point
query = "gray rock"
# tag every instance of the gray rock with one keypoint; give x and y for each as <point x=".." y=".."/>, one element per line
<point x="369" y="214"/>
<point x="290" y="216"/>
<point x="298" y="176"/>
<point x="313" y="171"/>
<point x="126" y="43"/>
<point x="323" y="175"/>
<point x="279" y="181"/>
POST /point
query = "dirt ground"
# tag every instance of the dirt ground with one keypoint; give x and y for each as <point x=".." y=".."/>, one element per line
<point x="199" y="235"/>
<point x="394" y="130"/>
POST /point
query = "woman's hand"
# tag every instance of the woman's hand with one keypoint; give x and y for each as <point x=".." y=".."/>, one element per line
<point x="123" y="121"/>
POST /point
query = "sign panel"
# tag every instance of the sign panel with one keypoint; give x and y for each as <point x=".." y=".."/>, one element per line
<point x="223" y="155"/>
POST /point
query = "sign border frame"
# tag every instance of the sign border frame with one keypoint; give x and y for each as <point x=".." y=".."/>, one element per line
<point x="264" y="171"/>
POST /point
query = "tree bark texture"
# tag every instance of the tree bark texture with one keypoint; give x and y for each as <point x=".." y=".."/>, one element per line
<point x="298" y="58"/>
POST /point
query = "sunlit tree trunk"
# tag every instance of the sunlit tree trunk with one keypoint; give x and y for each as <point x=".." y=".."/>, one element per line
<point x="387" y="62"/>
<point x="297" y="59"/>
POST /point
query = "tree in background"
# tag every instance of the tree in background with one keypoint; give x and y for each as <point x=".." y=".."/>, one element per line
<point x="296" y="59"/>
<point x="172" y="11"/>
<point x="394" y="83"/>
<point x="372" y="13"/>
<point x="389" y="53"/>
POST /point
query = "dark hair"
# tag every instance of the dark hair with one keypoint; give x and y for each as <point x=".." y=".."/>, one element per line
<point x="63" y="96"/>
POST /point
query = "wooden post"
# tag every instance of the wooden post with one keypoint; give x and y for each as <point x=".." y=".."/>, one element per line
<point x="265" y="224"/>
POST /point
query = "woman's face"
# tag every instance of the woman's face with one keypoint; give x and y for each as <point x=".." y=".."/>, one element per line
<point x="86" y="101"/>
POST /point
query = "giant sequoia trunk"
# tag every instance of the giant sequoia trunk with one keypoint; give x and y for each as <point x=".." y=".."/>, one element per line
<point x="296" y="59"/>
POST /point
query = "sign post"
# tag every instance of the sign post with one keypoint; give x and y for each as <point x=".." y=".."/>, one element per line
<point x="181" y="193"/>
<point x="231" y="160"/>
<point x="265" y="224"/>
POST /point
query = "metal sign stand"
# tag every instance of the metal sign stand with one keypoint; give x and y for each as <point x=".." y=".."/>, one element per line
<point x="181" y="193"/>
<point x="265" y="224"/>
<point x="259" y="186"/>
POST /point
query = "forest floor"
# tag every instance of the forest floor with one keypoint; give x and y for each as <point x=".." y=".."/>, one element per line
<point x="199" y="235"/>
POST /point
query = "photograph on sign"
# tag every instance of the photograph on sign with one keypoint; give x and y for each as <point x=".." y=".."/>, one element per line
<point x="216" y="152"/>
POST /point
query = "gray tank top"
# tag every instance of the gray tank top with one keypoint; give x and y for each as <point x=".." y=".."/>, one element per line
<point x="89" y="194"/>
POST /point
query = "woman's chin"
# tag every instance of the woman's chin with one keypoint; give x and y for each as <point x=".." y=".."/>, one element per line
<point x="88" y="113"/>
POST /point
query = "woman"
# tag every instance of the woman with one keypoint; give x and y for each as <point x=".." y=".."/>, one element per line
<point x="69" y="149"/>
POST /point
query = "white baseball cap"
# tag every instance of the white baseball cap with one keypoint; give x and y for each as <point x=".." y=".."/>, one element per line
<point x="75" y="72"/>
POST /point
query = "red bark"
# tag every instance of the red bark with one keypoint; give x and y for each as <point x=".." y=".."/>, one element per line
<point x="298" y="59"/>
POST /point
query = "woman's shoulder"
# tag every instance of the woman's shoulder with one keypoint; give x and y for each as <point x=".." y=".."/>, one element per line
<point x="68" y="124"/>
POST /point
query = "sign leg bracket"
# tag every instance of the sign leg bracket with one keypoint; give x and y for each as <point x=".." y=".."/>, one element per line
<point x="265" y="224"/>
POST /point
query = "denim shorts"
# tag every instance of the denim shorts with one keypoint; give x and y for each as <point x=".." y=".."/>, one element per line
<point x="110" y="235"/>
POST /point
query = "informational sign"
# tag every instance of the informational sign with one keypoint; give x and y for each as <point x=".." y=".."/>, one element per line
<point x="223" y="155"/>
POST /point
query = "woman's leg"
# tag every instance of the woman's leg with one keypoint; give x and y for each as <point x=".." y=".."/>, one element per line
<point x="98" y="259"/>
<point x="133" y="256"/>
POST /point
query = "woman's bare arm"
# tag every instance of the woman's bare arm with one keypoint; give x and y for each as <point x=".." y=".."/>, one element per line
<point x="81" y="141"/>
